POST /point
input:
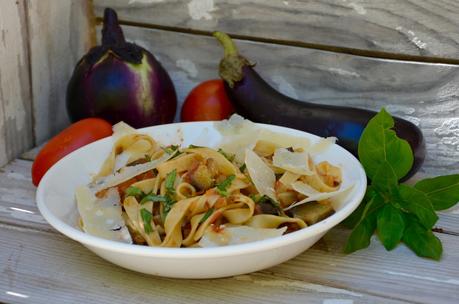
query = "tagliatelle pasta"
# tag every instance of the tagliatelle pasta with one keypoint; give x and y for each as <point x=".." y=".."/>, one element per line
<point x="200" y="196"/>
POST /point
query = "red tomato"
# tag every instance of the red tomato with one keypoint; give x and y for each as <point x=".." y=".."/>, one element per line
<point x="207" y="101"/>
<point x="75" y="136"/>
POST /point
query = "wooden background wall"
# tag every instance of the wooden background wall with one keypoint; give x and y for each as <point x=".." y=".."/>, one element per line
<point x="402" y="54"/>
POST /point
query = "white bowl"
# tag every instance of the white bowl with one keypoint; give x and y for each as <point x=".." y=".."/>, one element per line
<point x="55" y="199"/>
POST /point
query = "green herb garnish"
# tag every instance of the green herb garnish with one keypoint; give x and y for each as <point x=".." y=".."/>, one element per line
<point x="242" y="168"/>
<point x="206" y="215"/>
<point x="133" y="191"/>
<point x="170" y="180"/>
<point x="194" y="147"/>
<point x="228" y="156"/>
<point x="171" y="149"/>
<point x="223" y="186"/>
<point x="152" y="198"/>
<point x="146" y="218"/>
<point x="398" y="212"/>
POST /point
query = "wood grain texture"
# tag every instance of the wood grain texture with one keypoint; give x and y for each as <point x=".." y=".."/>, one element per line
<point x="35" y="258"/>
<point x="15" y="101"/>
<point x="426" y="94"/>
<point x="422" y="27"/>
<point x="49" y="268"/>
<point x="61" y="33"/>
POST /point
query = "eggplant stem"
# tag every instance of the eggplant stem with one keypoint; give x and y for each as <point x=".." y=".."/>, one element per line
<point x="229" y="47"/>
<point x="112" y="34"/>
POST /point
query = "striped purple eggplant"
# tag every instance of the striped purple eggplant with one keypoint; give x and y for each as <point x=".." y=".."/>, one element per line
<point x="120" y="81"/>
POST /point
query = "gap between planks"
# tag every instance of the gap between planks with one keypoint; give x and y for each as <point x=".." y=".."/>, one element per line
<point x="301" y="44"/>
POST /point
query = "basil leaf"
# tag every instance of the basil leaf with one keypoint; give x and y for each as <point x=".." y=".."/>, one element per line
<point x="443" y="191"/>
<point x="206" y="215"/>
<point x="146" y="218"/>
<point x="379" y="143"/>
<point x="133" y="191"/>
<point x="170" y="180"/>
<point x="385" y="179"/>
<point x="390" y="225"/>
<point x="418" y="203"/>
<point x="422" y="241"/>
<point x="352" y="220"/>
<point x="361" y="235"/>
<point x="222" y="187"/>
<point x="153" y="198"/>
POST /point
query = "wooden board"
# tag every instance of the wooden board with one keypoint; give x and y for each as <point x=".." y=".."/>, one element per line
<point x="60" y="32"/>
<point x="420" y="28"/>
<point x="15" y="100"/>
<point x="42" y="266"/>
<point x="424" y="93"/>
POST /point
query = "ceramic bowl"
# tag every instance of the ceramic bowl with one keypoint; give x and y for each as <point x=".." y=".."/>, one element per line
<point x="55" y="199"/>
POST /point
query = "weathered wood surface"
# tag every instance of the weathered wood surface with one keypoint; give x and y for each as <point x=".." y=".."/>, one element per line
<point x="60" y="32"/>
<point x="421" y="28"/>
<point x="15" y="100"/>
<point x="35" y="259"/>
<point x="426" y="94"/>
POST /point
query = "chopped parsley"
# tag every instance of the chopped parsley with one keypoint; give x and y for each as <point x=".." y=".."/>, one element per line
<point x="206" y="215"/>
<point x="194" y="147"/>
<point x="171" y="149"/>
<point x="152" y="198"/>
<point x="146" y="218"/>
<point x="223" y="186"/>
<point x="228" y="156"/>
<point x="170" y="180"/>
<point x="243" y="168"/>
<point x="133" y="191"/>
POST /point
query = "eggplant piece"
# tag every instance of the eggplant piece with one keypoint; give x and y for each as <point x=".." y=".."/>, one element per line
<point x="256" y="100"/>
<point x="312" y="212"/>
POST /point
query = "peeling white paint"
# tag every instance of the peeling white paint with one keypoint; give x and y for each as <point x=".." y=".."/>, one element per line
<point x="338" y="301"/>
<point x="284" y="86"/>
<point x="343" y="72"/>
<point x="357" y="7"/>
<point x="412" y="37"/>
<point x="144" y="1"/>
<point x="425" y="278"/>
<point x="285" y="283"/>
<point x="400" y="109"/>
<point x="188" y="66"/>
<point x="201" y="9"/>
<point x="449" y="132"/>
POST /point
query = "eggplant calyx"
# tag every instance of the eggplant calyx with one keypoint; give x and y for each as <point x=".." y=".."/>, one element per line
<point x="230" y="67"/>
<point x="112" y="34"/>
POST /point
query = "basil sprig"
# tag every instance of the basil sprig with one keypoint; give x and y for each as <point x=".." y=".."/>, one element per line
<point x="398" y="212"/>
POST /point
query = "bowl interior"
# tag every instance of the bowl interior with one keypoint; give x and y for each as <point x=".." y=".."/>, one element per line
<point x="55" y="195"/>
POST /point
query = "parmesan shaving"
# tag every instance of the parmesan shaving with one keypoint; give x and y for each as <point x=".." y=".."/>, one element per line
<point x="322" y="145"/>
<point x="262" y="176"/>
<point x="305" y="189"/>
<point x="320" y="196"/>
<point x="102" y="217"/>
<point x="296" y="162"/>
<point x="125" y="174"/>
<point x="120" y="129"/>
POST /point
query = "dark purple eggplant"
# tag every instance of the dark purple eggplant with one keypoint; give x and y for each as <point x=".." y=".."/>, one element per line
<point x="256" y="100"/>
<point x="119" y="80"/>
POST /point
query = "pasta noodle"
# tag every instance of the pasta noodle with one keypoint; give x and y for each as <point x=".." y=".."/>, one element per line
<point x="200" y="196"/>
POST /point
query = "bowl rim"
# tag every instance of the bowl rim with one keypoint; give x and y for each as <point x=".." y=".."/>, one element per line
<point x="198" y="253"/>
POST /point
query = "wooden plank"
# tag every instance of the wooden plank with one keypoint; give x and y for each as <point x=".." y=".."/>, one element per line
<point x="45" y="267"/>
<point x="60" y="34"/>
<point x="15" y="102"/>
<point x="422" y="28"/>
<point x="426" y="94"/>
